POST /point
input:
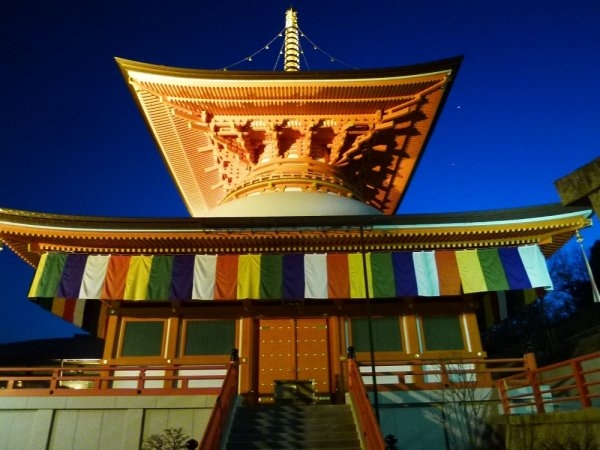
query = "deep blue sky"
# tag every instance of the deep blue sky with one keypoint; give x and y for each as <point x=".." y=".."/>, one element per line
<point x="523" y="111"/>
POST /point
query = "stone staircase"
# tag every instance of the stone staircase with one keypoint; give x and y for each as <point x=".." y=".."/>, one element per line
<point x="293" y="426"/>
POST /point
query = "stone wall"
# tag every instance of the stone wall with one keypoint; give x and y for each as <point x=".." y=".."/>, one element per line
<point x="562" y="430"/>
<point x="581" y="187"/>
<point x="568" y="427"/>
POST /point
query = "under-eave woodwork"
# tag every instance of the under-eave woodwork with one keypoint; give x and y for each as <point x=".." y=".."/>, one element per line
<point x="214" y="128"/>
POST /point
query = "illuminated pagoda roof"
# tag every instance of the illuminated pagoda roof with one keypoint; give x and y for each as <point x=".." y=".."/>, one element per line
<point x="262" y="138"/>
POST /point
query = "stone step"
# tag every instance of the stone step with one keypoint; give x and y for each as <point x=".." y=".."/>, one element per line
<point x="348" y="444"/>
<point x="313" y="408"/>
<point x="349" y="427"/>
<point x="282" y="420"/>
<point x="293" y="426"/>
<point x="271" y="411"/>
<point x="325" y="434"/>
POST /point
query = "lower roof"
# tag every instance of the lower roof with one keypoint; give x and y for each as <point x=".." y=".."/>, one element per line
<point x="29" y="234"/>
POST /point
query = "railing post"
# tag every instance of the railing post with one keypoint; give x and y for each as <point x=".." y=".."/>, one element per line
<point x="584" y="395"/>
<point x="529" y="361"/>
<point x="482" y="374"/>
<point x="534" y="382"/>
<point x="444" y="377"/>
<point x="105" y="381"/>
<point x="54" y="381"/>
<point x="141" y="379"/>
<point x="503" y="391"/>
<point x="351" y="352"/>
<point x="532" y="375"/>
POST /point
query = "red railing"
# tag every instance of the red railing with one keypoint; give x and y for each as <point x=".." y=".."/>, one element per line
<point x="572" y="384"/>
<point x="367" y="422"/>
<point x="221" y="411"/>
<point x="429" y="374"/>
<point x="94" y="380"/>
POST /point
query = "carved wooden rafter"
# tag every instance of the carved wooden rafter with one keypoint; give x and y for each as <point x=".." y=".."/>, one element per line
<point x="240" y="141"/>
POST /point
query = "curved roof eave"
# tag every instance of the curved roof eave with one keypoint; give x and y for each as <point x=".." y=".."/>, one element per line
<point x="126" y="224"/>
<point x="448" y="64"/>
<point x="29" y="234"/>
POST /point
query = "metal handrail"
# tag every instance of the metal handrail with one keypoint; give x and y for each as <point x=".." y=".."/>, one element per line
<point x="369" y="428"/>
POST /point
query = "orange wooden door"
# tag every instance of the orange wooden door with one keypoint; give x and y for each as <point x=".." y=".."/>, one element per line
<point x="277" y="353"/>
<point x="293" y="349"/>
<point x="312" y="361"/>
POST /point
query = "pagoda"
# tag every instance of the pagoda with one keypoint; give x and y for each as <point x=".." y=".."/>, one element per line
<point x="293" y="251"/>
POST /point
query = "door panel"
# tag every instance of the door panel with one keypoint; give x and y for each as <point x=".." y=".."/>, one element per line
<point x="293" y="349"/>
<point x="312" y="362"/>
<point x="276" y="353"/>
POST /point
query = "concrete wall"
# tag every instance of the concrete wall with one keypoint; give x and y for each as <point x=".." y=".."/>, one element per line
<point x="415" y="417"/>
<point x="98" y="423"/>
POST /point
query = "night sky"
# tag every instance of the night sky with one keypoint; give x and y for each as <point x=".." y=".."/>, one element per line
<point x="524" y="109"/>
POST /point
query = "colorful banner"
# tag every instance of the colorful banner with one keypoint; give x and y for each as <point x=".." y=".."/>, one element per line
<point x="289" y="276"/>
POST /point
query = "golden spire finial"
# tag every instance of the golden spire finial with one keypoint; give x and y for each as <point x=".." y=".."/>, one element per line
<point x="292" y="41"/>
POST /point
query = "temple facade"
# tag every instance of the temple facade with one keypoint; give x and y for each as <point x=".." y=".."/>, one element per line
<point x="293" y="252"/>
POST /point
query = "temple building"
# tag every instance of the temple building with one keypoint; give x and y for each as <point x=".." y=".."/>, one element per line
<point x="293" y="252"/>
